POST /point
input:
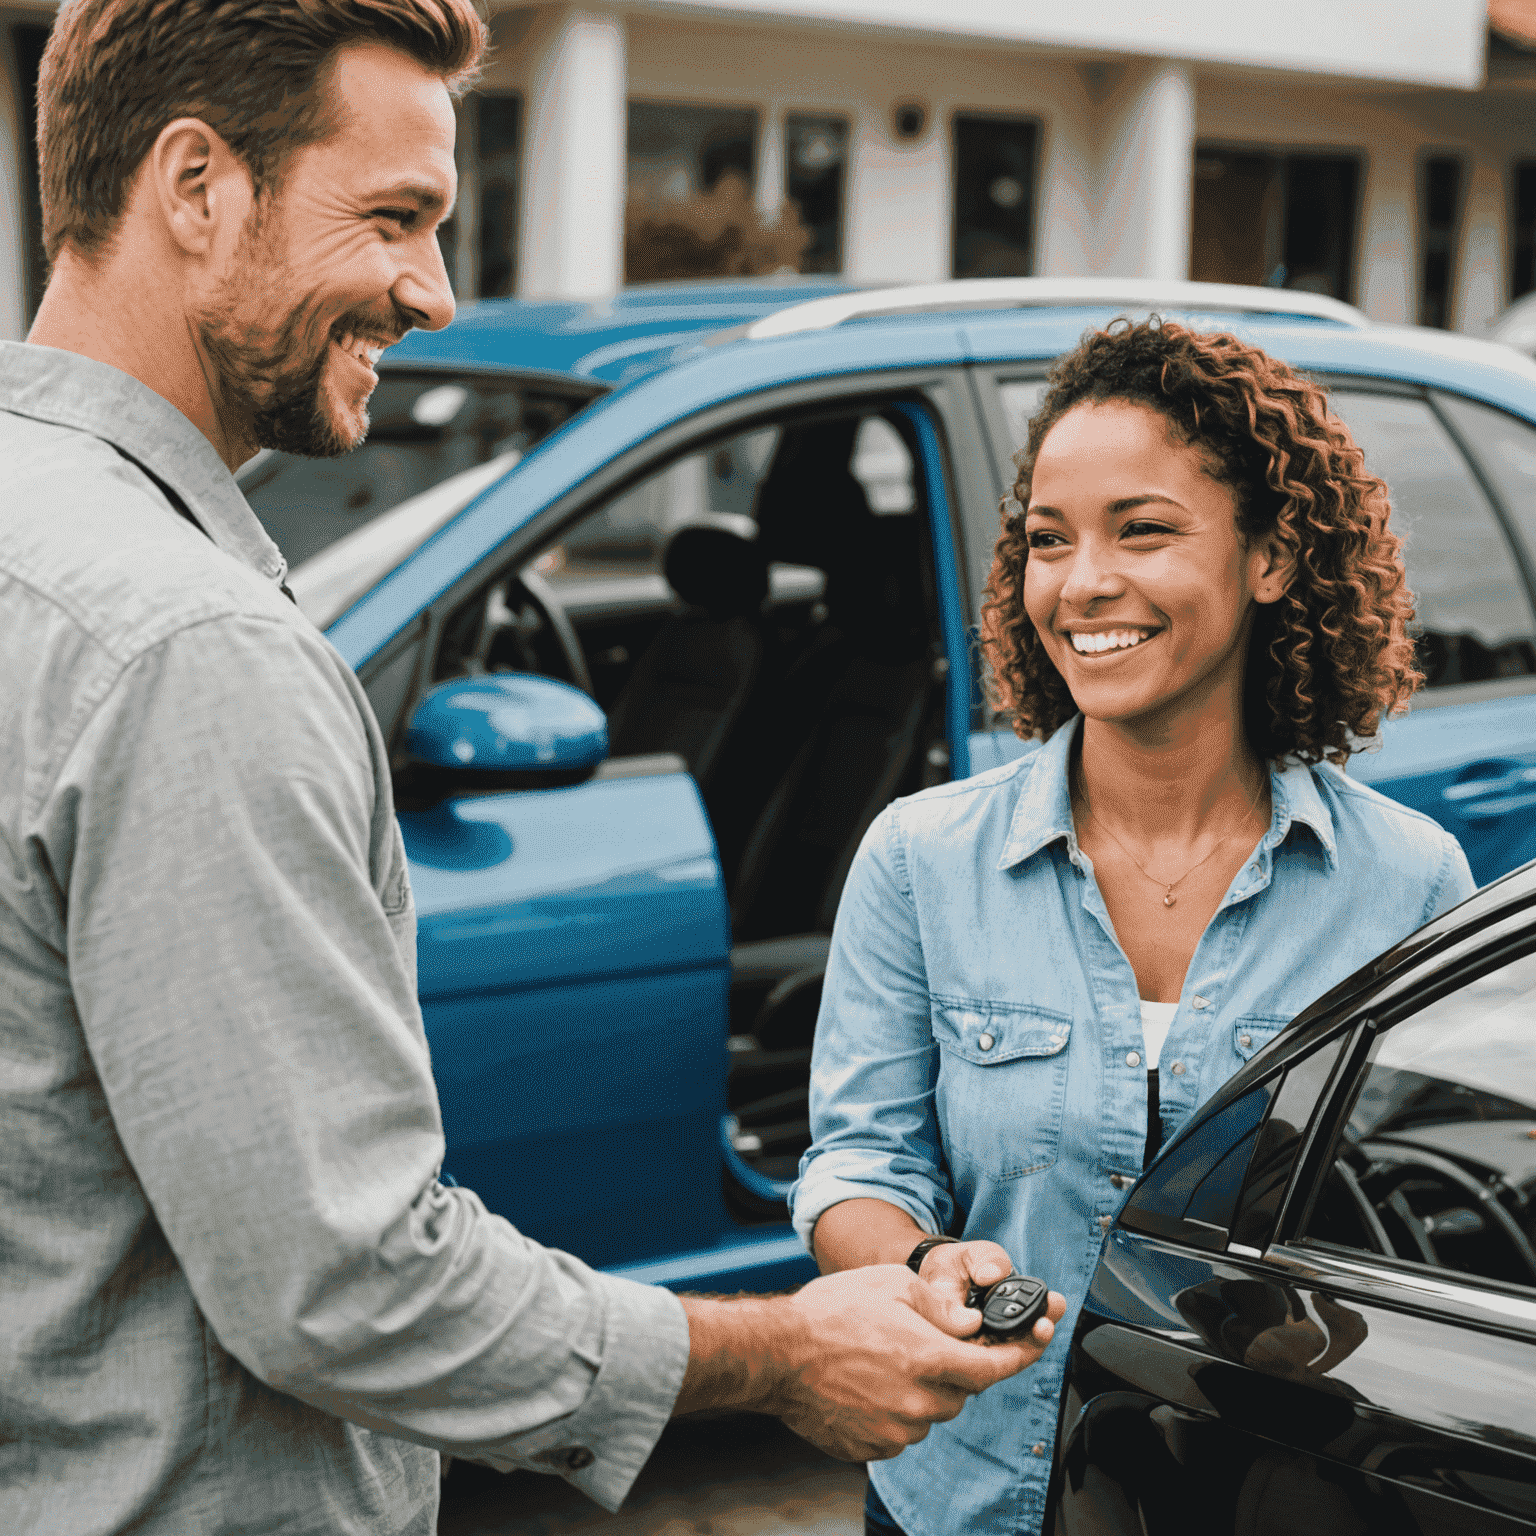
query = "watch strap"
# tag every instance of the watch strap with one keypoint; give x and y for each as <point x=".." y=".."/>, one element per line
<point x="918" y="1254"/>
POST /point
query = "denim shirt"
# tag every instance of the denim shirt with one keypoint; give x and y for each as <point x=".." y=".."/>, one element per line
<point x="977" y="1056"/>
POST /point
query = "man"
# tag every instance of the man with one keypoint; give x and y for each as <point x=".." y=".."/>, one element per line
<point x="237" y="1297"/>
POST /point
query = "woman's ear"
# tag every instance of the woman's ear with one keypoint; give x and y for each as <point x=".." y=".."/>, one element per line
<point x="1271" y="569"/>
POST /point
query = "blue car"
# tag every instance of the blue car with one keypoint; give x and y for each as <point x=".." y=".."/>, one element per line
<point x="660" y="601"/>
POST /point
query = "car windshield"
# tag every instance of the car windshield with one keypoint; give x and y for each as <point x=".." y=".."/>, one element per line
<point x="428" y="426"/>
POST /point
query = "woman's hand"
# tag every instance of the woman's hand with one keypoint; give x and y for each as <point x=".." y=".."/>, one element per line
<point x="952" y="1269"/>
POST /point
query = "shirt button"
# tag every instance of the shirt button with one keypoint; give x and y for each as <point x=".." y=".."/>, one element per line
<point x="1245" y="1040"/>
<point x="1178" y="1069"/>
<point x="1121" y="1180"/>
<point x="1201" y="1002"/>
<point x="986" y="1042"/>
<point x="1037" y="1449"/>
<point x="578" y="1457"/>
<point x="1106" y="1222"/>
<point x="1133" y="1058"/>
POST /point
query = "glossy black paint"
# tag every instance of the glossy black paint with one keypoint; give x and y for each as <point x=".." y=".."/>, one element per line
<point x="1278" y="1389"/>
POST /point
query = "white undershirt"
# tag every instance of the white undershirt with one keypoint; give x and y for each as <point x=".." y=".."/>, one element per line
<point x="1156" y="1021"/>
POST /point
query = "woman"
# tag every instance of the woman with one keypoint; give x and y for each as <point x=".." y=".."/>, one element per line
<point x="1039" y="973"/>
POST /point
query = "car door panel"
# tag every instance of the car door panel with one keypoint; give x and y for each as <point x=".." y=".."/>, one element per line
<point x="1470" y="764"/>
<point x="1219" y="1395"/>
<point x="573" y="955"/>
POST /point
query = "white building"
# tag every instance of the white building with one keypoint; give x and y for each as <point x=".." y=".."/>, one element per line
<point x="1383" y="151"/>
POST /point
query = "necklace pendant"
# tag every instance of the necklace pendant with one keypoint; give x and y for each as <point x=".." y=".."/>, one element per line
<point x="1168" y="897"/>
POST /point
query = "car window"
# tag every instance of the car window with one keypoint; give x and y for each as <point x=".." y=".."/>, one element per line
<point x="1505" y="449"/>
<point x="619" y="545"/>
<point x="1436" y="1163"/>
<point x="425" y="427"/>
<point x="1474" y="618"/>
<point x="1021" y="399"/>
<point x="1223" y="1180"/>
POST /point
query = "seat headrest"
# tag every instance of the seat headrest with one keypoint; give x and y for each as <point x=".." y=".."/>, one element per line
<point x="715" y="563"/>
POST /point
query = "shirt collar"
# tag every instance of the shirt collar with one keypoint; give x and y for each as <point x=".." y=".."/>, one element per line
<point x="69" y="390"/>
<point x="1294" y="793"/>
<point x="1044" y="812"/>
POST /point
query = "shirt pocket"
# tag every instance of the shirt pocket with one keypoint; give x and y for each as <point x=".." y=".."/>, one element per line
<point x="1002" y="1087"/>
<point x="1253" y="1031"/>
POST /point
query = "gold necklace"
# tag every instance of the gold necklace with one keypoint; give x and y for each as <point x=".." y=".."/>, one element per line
<point x="1169" y="899"/>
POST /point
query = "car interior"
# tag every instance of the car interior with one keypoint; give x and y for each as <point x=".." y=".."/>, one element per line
<point x="762" y="612"/>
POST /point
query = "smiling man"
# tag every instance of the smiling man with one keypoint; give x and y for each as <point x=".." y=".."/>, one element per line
<point x="236" y="1295"/>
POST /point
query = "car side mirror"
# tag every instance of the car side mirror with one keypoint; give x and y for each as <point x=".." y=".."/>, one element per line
<point x="502" y="731"/>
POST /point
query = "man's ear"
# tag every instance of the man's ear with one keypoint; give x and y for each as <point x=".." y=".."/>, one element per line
<point x="203" y="191"/>
<point x="1273" y="568"/>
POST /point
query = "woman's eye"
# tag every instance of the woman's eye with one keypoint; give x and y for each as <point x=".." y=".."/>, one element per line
<point x="1141" y="529"/>
<point x="1042" y="538"/>
<point x="400" y="216"/>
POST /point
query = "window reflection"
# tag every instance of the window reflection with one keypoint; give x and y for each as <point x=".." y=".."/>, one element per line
<point x="1437" y="1163"/>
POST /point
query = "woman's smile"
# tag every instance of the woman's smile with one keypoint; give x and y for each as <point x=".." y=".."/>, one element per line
<point x="1107" y="643"/>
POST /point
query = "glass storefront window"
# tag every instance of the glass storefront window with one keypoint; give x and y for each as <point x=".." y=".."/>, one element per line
<point x="815" y="178"/>
<point x="1282" y="221"/>
<point x="994" y="195"/>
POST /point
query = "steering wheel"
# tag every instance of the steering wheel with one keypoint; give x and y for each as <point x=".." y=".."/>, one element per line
<point x="519" y="610"/>
<point x="1394" y="1165"/>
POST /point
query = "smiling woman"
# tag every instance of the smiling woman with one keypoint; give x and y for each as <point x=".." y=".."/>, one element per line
<point x="1039" y="973"/>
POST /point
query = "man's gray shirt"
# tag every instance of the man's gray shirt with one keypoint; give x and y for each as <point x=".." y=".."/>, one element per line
<point x="235" y="1295"/>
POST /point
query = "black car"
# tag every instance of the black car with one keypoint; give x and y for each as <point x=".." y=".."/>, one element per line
<point x="1316" y="1313"/>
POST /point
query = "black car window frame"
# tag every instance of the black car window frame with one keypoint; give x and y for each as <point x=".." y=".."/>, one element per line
<point x="1461" y="1295"/>
<point x="1149" y="1209"/>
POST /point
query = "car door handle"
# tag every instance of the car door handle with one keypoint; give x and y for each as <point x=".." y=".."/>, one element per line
<point x="1485" y="799"/>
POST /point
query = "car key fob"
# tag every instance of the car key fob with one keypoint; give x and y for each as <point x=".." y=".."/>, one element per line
<point x="1010" y="1308"/>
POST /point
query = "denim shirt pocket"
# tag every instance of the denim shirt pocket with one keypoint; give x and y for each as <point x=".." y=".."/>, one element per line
<point x="1253" y="1031"/>
<point x="1002" y="1086"/>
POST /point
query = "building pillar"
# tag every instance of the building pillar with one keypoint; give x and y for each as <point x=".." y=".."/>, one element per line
<point x="1146" y="155"/>
<point x="1482" y="280"/>
<point x="1385" y="284"/>
<point x="576" y="158"/>
<point x="769" y="192"/>
<point x="13" y="207"/>
<point x="899" y="206"/>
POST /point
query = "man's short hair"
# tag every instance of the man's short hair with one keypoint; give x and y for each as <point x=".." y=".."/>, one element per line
<point x="115" y="72"/>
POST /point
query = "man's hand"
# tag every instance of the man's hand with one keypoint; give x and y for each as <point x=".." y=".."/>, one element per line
<point x="861" y="1363"/>
<point x="883" y="1359"/>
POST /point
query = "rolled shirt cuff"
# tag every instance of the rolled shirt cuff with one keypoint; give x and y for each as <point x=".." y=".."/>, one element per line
<point x="601" y="1448"/>
<point x="814" y="1196"/>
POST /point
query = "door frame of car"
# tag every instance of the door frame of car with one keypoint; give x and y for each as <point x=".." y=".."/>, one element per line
<point x="394" y="674"/>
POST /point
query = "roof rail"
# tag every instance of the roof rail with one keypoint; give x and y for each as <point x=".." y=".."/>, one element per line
<point x="1139" y="293"/>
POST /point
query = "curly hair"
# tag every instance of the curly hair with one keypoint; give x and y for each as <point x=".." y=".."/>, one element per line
<point x="1329" y="658"/>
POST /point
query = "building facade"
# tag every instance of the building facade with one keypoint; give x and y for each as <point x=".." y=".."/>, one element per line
<point x="1384" y="153"/>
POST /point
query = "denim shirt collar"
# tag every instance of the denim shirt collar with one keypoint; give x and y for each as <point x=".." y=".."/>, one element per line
<point x="1043" y="814"/>
<point x="68" y="390"/>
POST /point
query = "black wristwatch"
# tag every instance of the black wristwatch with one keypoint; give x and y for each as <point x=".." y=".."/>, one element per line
<point x="918" y="1254"/>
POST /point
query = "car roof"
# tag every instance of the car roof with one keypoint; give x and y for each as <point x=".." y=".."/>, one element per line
<point x="663" y="327"/>
<point x="595" y="338"/>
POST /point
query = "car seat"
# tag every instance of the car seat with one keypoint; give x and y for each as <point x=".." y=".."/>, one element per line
<point x="692" y="683"/>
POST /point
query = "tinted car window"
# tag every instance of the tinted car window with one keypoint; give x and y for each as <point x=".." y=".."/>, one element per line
<point x="1473" y="614"/>
<point x="1505" y="448"/>
<point x="1436" y="1164"/>
<point x="425" y="427"/>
